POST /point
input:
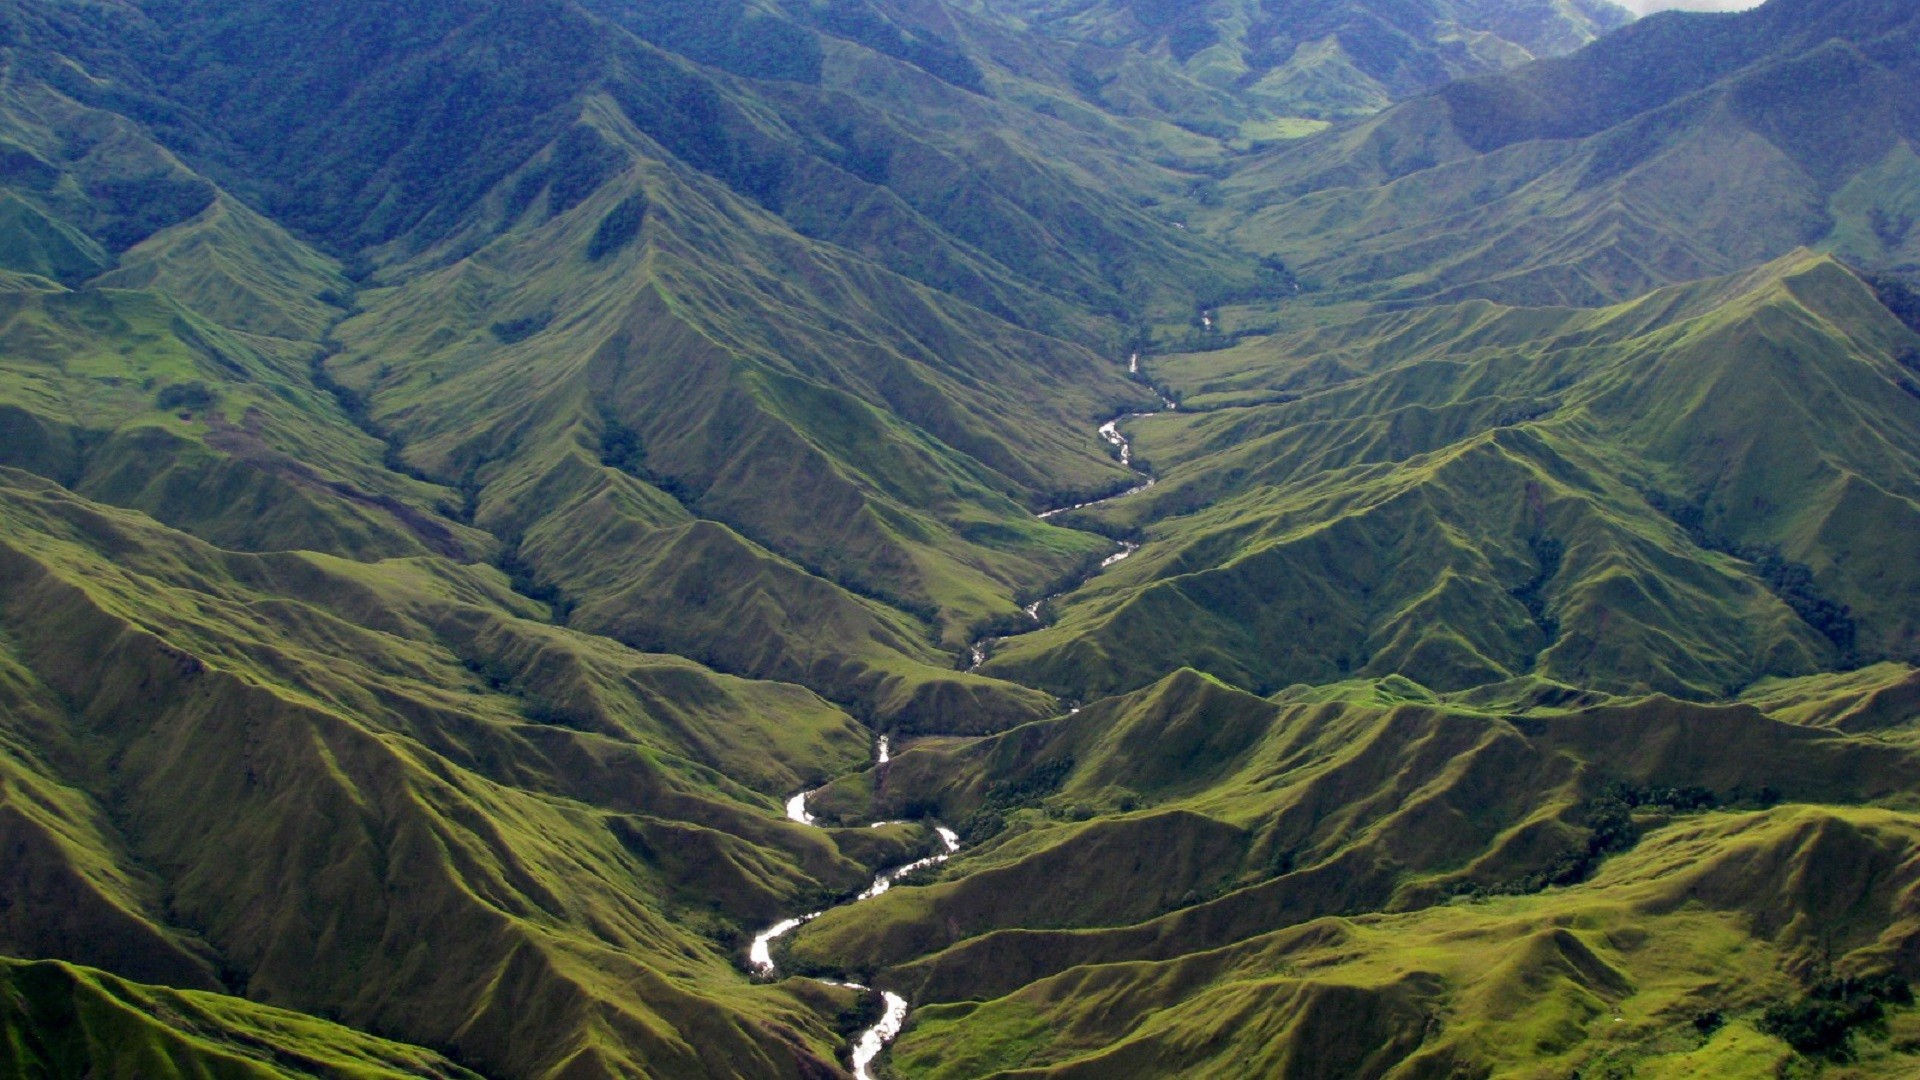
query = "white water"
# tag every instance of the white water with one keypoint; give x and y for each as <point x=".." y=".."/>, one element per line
<point x="1109" y="431"/>
<point x="760" y="956"/>
<point x="874" y="1041"/>
<point x="877" y="1038"/>
<point x="887" y="877"/>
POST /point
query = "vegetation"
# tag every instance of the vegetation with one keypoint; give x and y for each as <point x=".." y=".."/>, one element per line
<point x="1823" y="1022"/>
<point x="465" y="466"/>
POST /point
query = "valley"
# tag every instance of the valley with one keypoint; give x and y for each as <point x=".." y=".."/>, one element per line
<point x="951" y="539"/>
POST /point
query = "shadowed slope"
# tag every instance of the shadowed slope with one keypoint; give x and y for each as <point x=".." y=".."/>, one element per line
<point x="1682" y="147"/>
<point x="1469" y="494"/>
<point x="60" y="1020"/>
<point x="406" y="805"/>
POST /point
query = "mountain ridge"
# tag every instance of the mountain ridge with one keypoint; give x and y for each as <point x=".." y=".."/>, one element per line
<point x="507" y="510"/>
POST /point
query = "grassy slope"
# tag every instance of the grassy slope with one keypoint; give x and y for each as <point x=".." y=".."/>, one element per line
<point x="770" y="372"/>
<point x="177" y="380"/>
<point x="1223" y="922"/>
<point x="1226" y="67"/>
<point x="61" y="1020"/>
<point x="864" y="478"/>
<point x="478" y="822"/>
<point x="1588" y="181"/>
<point x="1470" y="494"/>
<point x="896" y="406"/>
<point x="1607" y="975"/>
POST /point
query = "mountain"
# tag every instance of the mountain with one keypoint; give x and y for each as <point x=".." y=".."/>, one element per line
<point x="1300" y="58"/>
<point x="1381" y="883"/>
<point x="1469" y="494"/>
<point x="1356" y="538"/>
<point x="1684" y="146"/>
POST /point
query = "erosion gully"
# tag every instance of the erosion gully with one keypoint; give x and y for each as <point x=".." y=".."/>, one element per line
<point x="871" y="1043"/>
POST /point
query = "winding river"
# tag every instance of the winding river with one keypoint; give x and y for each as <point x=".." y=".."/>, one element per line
<point x="893" y="1016"/>
<point x="872" y="1042"/>
<point x="1111" y="433"/>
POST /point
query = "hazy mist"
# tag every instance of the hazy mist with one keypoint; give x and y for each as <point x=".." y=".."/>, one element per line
<point x="1648" y="7"/>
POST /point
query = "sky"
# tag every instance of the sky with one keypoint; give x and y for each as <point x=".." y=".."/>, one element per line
<point x="1646" y="7"/>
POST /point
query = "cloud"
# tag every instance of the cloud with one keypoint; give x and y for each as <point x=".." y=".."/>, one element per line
<point x="1648" y="7"/>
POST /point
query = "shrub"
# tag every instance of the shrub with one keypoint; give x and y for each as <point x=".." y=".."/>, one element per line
<point x="191" y="396"/>
<point x="1823" y="1022"/>
<point x="619" y="228"/>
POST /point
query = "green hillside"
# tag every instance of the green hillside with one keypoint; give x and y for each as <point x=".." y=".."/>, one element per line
<point x="575" y="539"/>
<point x="1245" y="62"/>
<point x="1472" y="494"/>
<point x="1683" y="147"/>
<point x="68" y="1021"/>
<point x="1385" y="884"/>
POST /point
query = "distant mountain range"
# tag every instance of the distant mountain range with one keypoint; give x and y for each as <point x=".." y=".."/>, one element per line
<point x="1679" y="148"/>
<point x="1308" y="58"/>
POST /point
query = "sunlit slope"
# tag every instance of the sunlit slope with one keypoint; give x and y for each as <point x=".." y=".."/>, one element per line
<point x="850" y="311"/>
<point x="465" y="464"/>
<point x="1465" y="495"/>
<point x="156" y="345"/>
<point x="61" y="1020"/>
<point x="381" y="792"/>
<point x="717" y="400"/>
<point x="1682" y="147"/>
<point x="1668" y="964"/>
<point x="1880" y="699"/>
<point x="1613" y="862"/>
<point x="722" y="358"/>
<point x="136" y="399"/>
<point x="702" y="394"/>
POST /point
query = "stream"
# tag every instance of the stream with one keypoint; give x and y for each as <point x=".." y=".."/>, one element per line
<point x="872" y="1042"/>
<point x="1111" y="433"/>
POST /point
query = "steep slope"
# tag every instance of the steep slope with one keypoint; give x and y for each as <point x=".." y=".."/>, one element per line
<point x="1221" y="880"/>
<point x="66" y="1021"/>
<point x="1286" y="58"/>
<point x="466" y="465"/>
<point x="380" y="792"/>
<point x="1682" y="147"/>
<point x="909" y="426"/>
<point x="797" y="112"/>
<point x="158" y="338"/>
<point x="1466" y="495"/>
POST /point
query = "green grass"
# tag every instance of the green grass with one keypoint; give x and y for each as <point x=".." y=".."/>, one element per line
<point x="1666" y="153"/>
<point x="399" y="744"/>
<point x="60" y="1020"/>
<point x="453" y="494"/>
<point x="1472" y="494"/>
<point x="1383" y="814"/>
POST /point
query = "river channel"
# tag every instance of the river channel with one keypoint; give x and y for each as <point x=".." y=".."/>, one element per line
<point x="873" y="1041"/>
<point x="1111" y="433"/>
